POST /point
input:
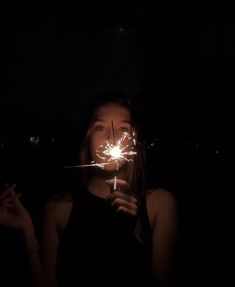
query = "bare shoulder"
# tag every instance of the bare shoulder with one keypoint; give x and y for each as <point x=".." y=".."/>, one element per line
<point x="160" y="201"/>
<point x="58" y="211"/>
<point x="160" y="194"/>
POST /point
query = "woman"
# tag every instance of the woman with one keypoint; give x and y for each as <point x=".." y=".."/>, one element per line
<point x="108" y="230"/>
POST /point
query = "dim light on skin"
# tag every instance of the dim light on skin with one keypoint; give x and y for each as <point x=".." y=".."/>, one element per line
<point x="111" y="138"/>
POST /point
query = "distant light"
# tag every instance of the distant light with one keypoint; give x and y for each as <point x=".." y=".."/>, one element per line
<point x="2" y="145"/>
<point x="121" y="29"/>
<point x="34" y="140"/>
<point x="216" y="151"/>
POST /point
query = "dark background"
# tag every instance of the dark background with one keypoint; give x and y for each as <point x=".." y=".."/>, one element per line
<point x="180" y="58"/>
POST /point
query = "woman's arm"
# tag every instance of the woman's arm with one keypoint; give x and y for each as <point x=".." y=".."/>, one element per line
<point x="15" y="216"/>
<point x="55" y="218"/>
<point x="163" y="215"/>
<point x="32" y="249"/>
<point x="50" y="241"/>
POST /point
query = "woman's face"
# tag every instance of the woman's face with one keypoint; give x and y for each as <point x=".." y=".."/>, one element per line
<point x="111" y="127"/>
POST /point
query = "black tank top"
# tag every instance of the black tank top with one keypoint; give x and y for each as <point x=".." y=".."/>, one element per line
<point x="99" y="246"/>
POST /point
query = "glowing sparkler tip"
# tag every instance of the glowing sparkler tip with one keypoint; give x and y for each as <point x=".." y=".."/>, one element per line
<point x="118" y="151"/>
<point x="115" y="152"/>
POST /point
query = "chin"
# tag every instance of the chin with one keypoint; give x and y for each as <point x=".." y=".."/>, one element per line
<point x="112" y="167"/>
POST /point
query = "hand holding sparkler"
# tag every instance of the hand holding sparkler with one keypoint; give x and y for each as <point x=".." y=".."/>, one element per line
<point x="121" y="199"/>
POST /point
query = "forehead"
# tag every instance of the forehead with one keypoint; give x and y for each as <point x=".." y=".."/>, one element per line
<point x="113" y="111"/>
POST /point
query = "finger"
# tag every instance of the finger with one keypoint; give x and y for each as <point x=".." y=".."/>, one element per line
<point x="118" y="194"/>
<point x="8" y="184"/>
<point x="18" y="203"/>
<point x="5" y="193"/>
<point x="8" y="204"/>
<point x="10" y="198"/>
<point x="12" y="187"/>
<point x="118" y="202"/>
<point x="124" y="210"/>
<point x="8" y="189"/>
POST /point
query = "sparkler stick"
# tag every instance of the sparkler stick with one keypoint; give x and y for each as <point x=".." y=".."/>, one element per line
<point x="101" y="165"/>
<point x="115" y="177"/>
<point x="115" y="183"/>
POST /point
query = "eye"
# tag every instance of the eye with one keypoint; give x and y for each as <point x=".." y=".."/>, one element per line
<point x="124" y="129"/>
<point x="100" y="128"/>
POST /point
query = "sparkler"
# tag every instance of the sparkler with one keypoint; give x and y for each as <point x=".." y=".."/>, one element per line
<point x="117" y="152"/>
<point x="113" y="153"/>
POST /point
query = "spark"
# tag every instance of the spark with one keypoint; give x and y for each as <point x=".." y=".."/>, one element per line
<point x="110" y="153"/>
<point x="116" y="152"/>
<point x="34" y="140"/>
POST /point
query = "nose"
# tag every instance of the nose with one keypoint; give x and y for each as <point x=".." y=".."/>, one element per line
<point x="112" y="136"/>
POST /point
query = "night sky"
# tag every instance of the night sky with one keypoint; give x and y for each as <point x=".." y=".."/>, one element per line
<point x="180" y="60"/>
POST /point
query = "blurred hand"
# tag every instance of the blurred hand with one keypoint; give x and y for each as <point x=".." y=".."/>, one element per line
<point x="121" y="199"/>
<point x="12" y="213"/>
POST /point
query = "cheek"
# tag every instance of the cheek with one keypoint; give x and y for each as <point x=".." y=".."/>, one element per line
<point x="95" y="143"/>
<point x="128" y="143"/>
